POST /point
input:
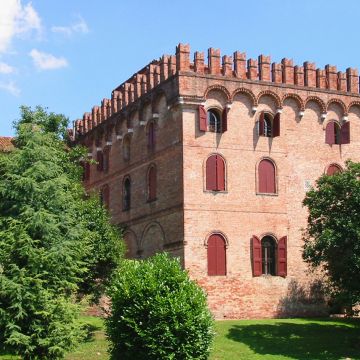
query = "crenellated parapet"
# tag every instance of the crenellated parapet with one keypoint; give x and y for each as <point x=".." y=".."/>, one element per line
<point x="236" y="67"/>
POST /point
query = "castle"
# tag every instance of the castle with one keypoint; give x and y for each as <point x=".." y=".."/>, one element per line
<point x="211" y="161"/>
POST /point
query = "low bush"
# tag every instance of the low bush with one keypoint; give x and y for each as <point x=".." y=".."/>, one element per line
<point x="157" y="312"/>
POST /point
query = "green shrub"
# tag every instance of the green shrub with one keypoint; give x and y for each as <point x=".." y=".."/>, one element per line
<point x="157" y="312"/>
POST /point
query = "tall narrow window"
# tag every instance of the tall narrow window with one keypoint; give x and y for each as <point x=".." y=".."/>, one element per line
<point x="106" y="159"/>
<point x="266" y="177"/>
<point x="151" y="181"/>
<point x="333" y="169"/>
<point x="214" y="121"/>
<point x="126" y="194"/>
<point x="86" y="170"/>
<point x="100" y="160"/>
<point x="269" y="257"/>
<point x="268" y="250"/>
<point x="216" y="255"/>
<point x="151" y="136"/>
<point x="215" y="173"/>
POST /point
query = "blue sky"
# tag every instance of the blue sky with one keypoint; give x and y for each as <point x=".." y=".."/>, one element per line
<point x="68" y="55"/>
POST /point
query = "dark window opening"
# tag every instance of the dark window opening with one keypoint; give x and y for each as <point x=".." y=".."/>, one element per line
<point x="268" y="247"/>
<point x="126" y="148"/>
<point x="267" y="125"/>
<point x="214" y="121"/>
<point x="126" y="194"/>
<point x="151" y="136"/>
<point x="152" y="184"/>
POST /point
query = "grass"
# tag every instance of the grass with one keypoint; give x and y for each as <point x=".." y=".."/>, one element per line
<point x="280" y="339"/>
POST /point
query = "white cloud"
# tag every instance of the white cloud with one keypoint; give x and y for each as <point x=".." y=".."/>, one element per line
<point x="44" y="61"/>
<point x="10" y="87"/>
<point x="16" y="19"/>
<point x="79" y="27"/>
<point x="6" y="69"/>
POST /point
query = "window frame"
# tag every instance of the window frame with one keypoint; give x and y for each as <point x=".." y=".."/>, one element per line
<point x="150" y="168"/>
<point x="126" y="143"/>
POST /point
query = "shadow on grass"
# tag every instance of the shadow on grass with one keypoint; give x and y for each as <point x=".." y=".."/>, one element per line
<point x="314" y="340"/>
<point x="89" y="330"/>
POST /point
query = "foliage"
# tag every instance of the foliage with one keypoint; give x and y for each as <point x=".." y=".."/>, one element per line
<point x="48" y="240"/>
<point x="332" y="237"/>
<point x="158" y="312"/>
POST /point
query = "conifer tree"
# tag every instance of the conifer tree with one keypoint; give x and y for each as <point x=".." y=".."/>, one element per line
<point x="54" y="240"/>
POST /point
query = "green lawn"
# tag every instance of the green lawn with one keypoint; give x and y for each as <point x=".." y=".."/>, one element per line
<point x="313" y="339"/>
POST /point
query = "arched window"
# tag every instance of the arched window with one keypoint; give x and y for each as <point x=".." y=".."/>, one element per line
<point x="151" y="136"/>
<point x="215" y="173"/>
<point x="266" y="177"/>
<point x="336" y="134"/>
<point x="126" y="194"/>
<point x="269" y="257"/>
<point x="268" y="250"/>
<point x="333" y="169"/>
<point x="269" y="126"/>
<point x="151" y="182"/>
<point x="126" y="148"/>
<point x="216" y="255"/>
<point x="214" y="121"/>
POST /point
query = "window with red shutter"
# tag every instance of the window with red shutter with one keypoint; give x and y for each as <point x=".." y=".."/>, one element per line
<point x="261" y="124"/>
<point x="282" y="257"/>
<point x="333" y="169"/>
<point x="215" y="173"/>
<point x="269" y="126"/>
<point x="216" y="255"/>
<point x="152" y="183"/>
<point x="266" y="177"/>
<point x="332" y="133"/>
<point x="214" y="121"/>
<point x="256" y="256"/>
<point x="268" y="252"/>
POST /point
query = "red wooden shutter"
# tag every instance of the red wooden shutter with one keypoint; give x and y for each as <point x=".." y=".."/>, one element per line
<point x="152" y="183"/>
<point x="282" y="257"/>
<point x="224" y="120"/>
<point x="330" y="133"/>
<point x="256" y="256"/>
<point x="276" y="125"/>
<point x="202" y="118"/>
<point x="220" y="173"/>
<point x="211" y="173"/>
<point x="100" y="160"/>
<point x="261" y="124"/>
<point x="266" y="177"/>
<point x="345" y="133"/>
<point x="216" y="253"/>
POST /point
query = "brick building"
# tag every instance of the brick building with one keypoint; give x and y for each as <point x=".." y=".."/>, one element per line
<point x="211" y="162"/>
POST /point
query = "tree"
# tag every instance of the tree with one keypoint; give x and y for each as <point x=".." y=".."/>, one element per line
<point x="332" y="237"/>
<point x="157" y="312"/>
<point x="52" y="244"/>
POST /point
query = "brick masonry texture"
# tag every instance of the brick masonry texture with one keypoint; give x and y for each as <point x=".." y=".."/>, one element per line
<point x="168" y="93"/>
